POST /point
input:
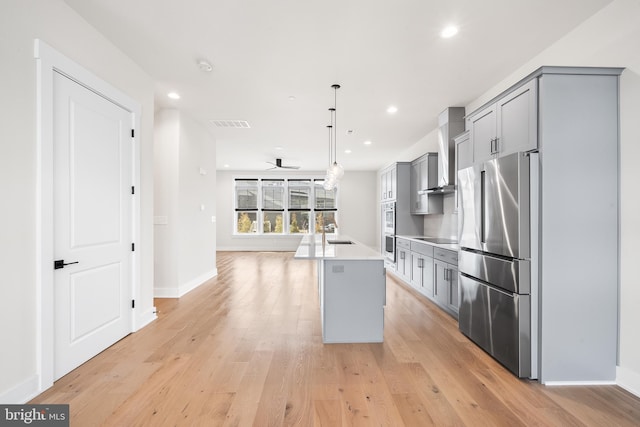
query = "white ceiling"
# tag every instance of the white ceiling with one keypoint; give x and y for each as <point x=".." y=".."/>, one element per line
<point x="381" y="52"/>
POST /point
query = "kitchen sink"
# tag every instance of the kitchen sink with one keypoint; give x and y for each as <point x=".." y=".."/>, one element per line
<point x="340" y="242"/>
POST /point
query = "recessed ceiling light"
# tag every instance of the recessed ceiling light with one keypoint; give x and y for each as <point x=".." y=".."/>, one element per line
<point x="347" y="151"/>
<point x="291" y="98"/>
<point x="173" y="95"/>
<point x="225" y="165"/>
<point x="367" y="143"/>
<point x="449" y="31"/>
<point x="392" y="109"/>
<point x="277" y="148"/>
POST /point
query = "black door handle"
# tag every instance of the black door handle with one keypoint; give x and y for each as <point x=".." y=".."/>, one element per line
<point x="57" y="264"/>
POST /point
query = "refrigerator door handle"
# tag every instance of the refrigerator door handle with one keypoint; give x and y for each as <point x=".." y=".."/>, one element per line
<point x="482" y="206"/>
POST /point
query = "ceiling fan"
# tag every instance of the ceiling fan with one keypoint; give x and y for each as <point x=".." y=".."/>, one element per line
<point x="278" y="165"/>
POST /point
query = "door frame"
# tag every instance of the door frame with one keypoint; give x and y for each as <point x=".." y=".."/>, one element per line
<point x="49" y="61"/>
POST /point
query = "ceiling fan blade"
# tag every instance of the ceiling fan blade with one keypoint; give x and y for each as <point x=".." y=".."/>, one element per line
<point x="278" y="165"/>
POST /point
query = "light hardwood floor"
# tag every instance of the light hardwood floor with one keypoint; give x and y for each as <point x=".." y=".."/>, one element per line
<point x="245" y="349"/>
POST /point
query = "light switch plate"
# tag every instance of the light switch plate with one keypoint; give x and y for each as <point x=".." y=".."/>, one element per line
<point x="161" y="220"/>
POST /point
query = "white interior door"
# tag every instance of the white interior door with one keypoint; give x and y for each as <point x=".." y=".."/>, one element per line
<point x="93" y="167"/>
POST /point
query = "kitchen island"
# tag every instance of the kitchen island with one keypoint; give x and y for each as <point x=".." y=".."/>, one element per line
<point x="351" y="288"/>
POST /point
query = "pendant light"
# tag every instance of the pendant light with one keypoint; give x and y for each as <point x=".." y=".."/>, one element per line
<point x="336" y="169"/>
<point x="329" y="179"/>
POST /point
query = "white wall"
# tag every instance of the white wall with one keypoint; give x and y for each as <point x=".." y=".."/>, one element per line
<point x="185" y="202"/>
<point x="166" y="150"/>
<point x="357" y="204"/>
<point x="21" y="21"/>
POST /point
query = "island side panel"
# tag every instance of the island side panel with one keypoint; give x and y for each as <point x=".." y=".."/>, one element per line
<point x="353" y="299"/>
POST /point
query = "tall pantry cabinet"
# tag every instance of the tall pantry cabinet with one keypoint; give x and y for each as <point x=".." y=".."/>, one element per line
<point x="569" y="117"/>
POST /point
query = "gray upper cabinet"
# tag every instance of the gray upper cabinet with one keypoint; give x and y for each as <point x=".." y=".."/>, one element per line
<point x="424" y="175"/>
<point x="388" y="184"/>
<point x="507" y="126"/>
<point x="464" y="157"/>
<point x="518" y="120"/>
<point x="464" y="151"/>
<point x="482" y="128"/>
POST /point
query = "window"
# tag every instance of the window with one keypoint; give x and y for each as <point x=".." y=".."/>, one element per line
<point x="299" y="194"/>
<point x="273" y="223"/>
<point x="272" y="206"/>
<point x="283" y="206"/>
<point x="247" y="194"/>
<point x="325" y="199"/>
<point x="325" y="207"/>
<point x="273" y="194"/>
<point x="247" y="206"/>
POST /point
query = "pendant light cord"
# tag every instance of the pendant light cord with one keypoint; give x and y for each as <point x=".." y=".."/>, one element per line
<point x="335" y="122"/>
<point x="330" y="129"/>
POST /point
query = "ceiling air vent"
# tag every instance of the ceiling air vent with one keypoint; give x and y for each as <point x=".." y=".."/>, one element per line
<point x="238" y="124"/>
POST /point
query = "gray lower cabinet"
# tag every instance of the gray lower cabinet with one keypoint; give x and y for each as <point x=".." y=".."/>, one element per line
<point x="422" y="268"/>
<point x="403" y="259"/>
<point x="446" y="285"/>
<point x="422" y="273"/>
<point x="430" y="270"/>
<point x="352" y="300"/>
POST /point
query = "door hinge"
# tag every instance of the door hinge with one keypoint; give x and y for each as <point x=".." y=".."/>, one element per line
<point x="133" y="133"/>
<point x="133" y="303"/>
<point x="133" y="190"/>
<point x="133" y="247"/>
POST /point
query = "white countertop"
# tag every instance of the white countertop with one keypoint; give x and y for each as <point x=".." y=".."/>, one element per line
<point x="450" y="246"/>
<point x="311" y="247"/>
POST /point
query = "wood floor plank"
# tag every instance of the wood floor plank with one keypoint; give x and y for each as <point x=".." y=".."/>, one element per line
<point x="245" y="349"/>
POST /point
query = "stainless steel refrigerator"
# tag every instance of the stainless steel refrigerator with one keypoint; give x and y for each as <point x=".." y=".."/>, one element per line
<point x="495" y="259"/>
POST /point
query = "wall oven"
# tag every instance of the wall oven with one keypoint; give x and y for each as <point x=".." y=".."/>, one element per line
<point x="389" y="247"/>
<point x="389" y="231"/>
<point x="389" y="218"/>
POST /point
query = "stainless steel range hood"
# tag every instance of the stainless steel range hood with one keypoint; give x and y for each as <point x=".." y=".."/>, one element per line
<point x="450" y="124"/>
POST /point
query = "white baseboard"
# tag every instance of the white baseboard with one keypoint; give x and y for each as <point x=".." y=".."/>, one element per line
<point x="255" y="249"/>
<point x="580" y="383"/>
<point x="185" y="287"/>
<point x="166" y="293"/>
<point x="194" y="283"/>
<point x="21" y="393"/>
<point x="145" y="318"/>
<point x="628" y="380"/>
